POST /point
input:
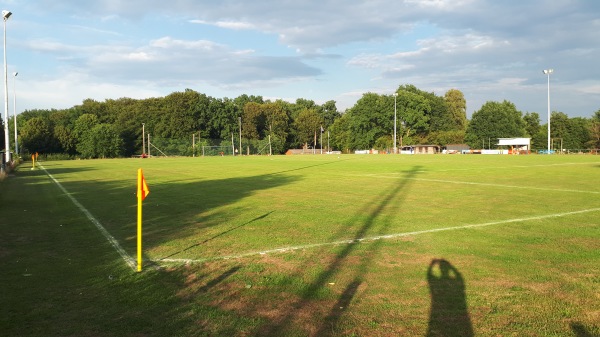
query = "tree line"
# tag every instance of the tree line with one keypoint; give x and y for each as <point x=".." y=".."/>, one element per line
<point x="113" y="128"/>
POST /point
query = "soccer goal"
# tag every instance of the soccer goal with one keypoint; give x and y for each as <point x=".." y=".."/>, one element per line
<point x="216" y="150"/>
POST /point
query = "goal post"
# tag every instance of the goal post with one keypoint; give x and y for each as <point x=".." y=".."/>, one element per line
<point x="216" y="150"/>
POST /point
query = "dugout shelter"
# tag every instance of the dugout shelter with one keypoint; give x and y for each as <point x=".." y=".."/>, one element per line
<point x="517" y="145"/>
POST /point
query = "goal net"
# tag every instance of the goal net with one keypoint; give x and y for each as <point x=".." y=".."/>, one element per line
<point x="216" y="150"/>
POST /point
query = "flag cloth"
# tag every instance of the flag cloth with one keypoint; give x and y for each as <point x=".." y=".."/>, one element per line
<point x="143" y="190"/>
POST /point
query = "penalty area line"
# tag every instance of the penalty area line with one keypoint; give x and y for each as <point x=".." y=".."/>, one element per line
<point x="372" y="238"/>
<point x="128" y="259"/>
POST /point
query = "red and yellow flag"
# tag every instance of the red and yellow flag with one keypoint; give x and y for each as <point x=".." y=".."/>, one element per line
<point x="143" y="190"/>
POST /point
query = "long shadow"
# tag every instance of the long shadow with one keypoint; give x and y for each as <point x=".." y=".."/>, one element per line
<point x="61" y="278"/>
<point x="449" y="315"/>
<point x="218" y="279"/>
<point x="311" y="166"/>
<point x="374" y="209"/>
<point x="39" y="170"/>
<point x="173" y="211"/>
<point x="330" y="322"/>
<point x="218" y="235"/>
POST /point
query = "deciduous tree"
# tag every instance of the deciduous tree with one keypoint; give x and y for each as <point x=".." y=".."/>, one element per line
<point x="494" y="120"/>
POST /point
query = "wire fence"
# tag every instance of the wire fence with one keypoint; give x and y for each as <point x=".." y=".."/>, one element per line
<point x="193" y="147"/>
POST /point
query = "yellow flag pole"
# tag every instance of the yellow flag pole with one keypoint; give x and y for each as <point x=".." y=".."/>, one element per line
<point x="139" y="220"/>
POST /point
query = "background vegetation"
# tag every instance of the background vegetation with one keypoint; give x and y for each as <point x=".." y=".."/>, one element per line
<point x="113" y="128"/>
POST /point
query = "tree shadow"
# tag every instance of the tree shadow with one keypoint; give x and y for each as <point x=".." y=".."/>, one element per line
<point x="173" y="211"/>
<point x="216" y="236"/>
<point x="449" y="315"/>
<point x="62" y="278"/>
<point x="329" y="325"/>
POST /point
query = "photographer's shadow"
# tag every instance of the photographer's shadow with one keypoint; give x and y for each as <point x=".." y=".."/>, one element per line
<point x="449" y="315"/>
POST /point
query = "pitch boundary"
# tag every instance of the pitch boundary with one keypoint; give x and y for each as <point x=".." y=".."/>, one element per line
<point x="458" y="182"/>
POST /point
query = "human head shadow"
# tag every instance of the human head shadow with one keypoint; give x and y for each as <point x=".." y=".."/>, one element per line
<point x="581" y="331"/>
<point x="449" y="315"/>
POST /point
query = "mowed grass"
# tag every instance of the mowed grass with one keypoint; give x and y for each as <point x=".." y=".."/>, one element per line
<point x="518" y="239"/>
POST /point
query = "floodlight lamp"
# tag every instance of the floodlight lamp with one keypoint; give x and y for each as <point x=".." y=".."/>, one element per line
<point x="6" y="14"/>
<point x="16" y="73"/>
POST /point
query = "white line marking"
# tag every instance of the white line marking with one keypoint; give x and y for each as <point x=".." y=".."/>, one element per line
<point x="373" y="238"/>
<point x="503" y="167"/>
<point x="128" y="259"/>
<point x="396" y="176"/>
<point x="505" y="186"/>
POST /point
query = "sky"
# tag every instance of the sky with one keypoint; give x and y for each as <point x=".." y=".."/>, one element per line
<point x="66" y="51"/>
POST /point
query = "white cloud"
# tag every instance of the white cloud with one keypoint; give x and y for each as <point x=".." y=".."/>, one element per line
<point x="491" y="50"/>
<point x="139" y="56"/>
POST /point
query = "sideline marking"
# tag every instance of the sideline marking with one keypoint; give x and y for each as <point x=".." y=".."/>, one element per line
<point x="458" y="182"/>
<point x="128" y="259"/>
<point x="374" y="238"/>
<point x="501" y="185"/>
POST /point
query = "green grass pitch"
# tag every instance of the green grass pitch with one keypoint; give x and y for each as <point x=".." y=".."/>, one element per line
<point x="350" y="245"/>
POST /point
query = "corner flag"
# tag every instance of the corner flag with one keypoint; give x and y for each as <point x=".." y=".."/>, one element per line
<point x="142" y="193"/>
<point x="143" y="190"/>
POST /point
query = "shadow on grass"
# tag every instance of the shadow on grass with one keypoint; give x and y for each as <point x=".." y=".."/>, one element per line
<point x="216" y="236"/>
<point x="449" y="315"/>
<point x="174" y="211"/>
<point x="389" y="200"/>
<point x="581" y="331"/>
<point x="60" y="277"/>
<point x="39" y="171"/>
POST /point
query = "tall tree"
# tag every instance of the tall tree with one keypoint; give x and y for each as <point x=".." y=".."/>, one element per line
<point x="101" y="141"/>
<point x="594" y="141"/>
<point x="494" y="120"/>
<point x="369" y="119"/>
<point x="253" y="121"/>
<point x="534" y="130"/>
<point x="329" y="113"/>
<point x="457" y="107"/>
<point x="308" y="125"/>
<point x="413" y="112"/>
<point x="341" y="135"/>
<point x="571" y="133"/>
<point x="36" y="136"/>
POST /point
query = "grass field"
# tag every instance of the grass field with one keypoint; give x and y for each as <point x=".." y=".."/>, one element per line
<point x="345" y="245"/>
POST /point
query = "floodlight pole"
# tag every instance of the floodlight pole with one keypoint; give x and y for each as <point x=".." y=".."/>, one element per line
<point x="143" y="138"/>
<point x="548" y="72"/>
<point x="395" y="121"/>
<point x="240" y="123"/>
<point x="15" y="112"/>
<point x="5" y="15"/>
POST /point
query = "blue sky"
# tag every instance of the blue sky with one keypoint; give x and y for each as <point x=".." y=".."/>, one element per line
<point x="67" y="51"/>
